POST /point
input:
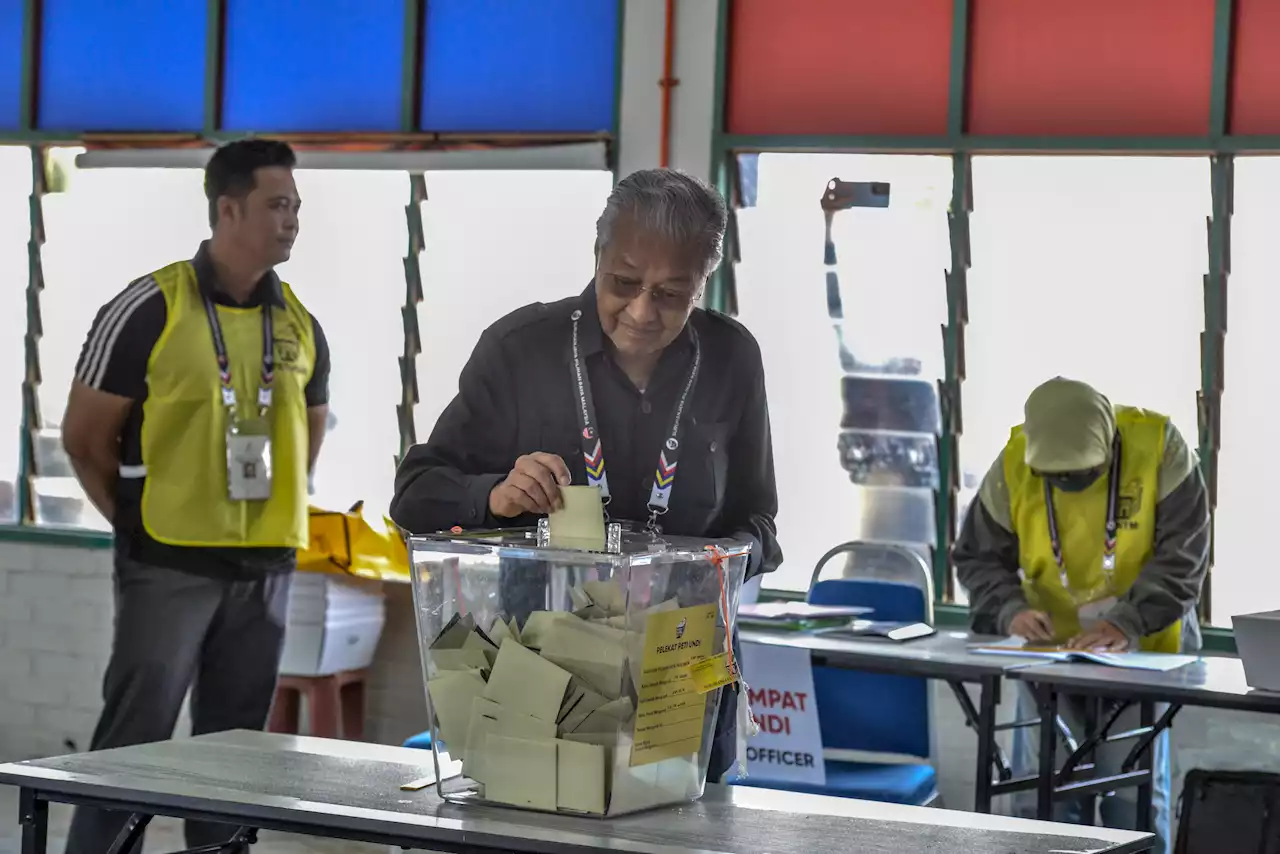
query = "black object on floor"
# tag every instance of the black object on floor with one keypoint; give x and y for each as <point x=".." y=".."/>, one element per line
<point x="1229" y="812"/>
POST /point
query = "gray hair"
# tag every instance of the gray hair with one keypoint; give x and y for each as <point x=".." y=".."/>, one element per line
<point x="672" y="204"/>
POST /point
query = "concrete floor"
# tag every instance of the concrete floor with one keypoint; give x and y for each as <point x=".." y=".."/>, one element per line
<point x="164" y="835"/>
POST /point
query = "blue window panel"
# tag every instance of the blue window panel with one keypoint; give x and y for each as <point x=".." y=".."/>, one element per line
<point x="313" y="65"/>
<point x="124" y="65"/>
<point x="533" y="65"/>
<point x="11" y="14"/>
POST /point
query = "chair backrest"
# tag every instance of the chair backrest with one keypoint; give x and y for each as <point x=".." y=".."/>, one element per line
<point x="888" y="562"/>
<point x="871" y="712"/>
<point x="1228" y="811"/>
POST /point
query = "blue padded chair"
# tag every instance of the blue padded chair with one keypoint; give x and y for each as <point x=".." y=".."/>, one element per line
<point x="870" y="713"/>
<point x="421" y="741"/>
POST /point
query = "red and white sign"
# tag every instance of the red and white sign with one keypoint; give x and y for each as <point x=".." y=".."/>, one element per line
<point x="789" y="746"/>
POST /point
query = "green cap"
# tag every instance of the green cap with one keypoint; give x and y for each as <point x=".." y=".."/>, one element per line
<point x="1069" y="426"/>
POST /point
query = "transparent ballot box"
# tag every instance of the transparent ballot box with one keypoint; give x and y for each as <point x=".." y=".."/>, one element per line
<point x="563" y="679"/>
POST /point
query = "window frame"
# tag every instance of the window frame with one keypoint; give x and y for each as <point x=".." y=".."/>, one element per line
<point x="723" y="297"/>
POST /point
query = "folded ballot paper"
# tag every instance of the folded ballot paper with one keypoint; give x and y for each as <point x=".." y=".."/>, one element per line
<point x="587" y="712"/>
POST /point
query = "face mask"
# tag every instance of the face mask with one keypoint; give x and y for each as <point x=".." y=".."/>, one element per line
<point x="1074" y="481"/>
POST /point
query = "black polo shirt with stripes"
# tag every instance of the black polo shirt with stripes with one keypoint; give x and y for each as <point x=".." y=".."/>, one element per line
<point x="114" y="360"/>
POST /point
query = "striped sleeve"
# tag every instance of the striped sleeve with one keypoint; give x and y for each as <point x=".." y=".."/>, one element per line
<point x="115" y="353"/>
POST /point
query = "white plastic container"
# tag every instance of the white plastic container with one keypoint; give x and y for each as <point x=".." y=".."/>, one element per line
<point x="334" y="624"/>
<point x="1257" y="639"/>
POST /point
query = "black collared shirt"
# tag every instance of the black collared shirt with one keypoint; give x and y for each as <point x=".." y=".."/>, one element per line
<point x="516" y="397"/>
<point x="114" y="360"/>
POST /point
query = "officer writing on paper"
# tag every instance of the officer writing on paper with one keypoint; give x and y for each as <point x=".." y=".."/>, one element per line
<point x="1091" y="529"/>
<point x="198" y="409"/>
<point x="654" y="367"/>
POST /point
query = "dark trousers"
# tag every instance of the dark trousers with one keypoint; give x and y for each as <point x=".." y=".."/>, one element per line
<point x="173" y="632"/>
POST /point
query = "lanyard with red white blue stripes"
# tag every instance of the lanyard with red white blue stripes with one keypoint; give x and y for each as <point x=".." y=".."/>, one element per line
<point x="664" y="477"/>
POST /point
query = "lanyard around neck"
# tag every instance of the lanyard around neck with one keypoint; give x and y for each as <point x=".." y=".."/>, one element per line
<point x="664" y="476"/>
<point x="224" y="361"/>
<point x="1109" y="536"/>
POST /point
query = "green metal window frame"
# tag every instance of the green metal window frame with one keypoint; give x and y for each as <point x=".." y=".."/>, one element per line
<point x="25" y="531"/>
<point x="1218" y="145"/>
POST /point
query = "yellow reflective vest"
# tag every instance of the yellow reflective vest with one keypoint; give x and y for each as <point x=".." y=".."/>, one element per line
<point x="184" y="425"/>
<point x="1081" y="520"/>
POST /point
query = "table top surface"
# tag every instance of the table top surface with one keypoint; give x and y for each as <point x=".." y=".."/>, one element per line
<point x="945" y="654"/>
<point x="1209" y="681"/>
<point x="352" y="790"/>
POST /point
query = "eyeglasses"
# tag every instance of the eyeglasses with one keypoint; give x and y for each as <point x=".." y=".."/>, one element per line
<point x="664" y="298"/>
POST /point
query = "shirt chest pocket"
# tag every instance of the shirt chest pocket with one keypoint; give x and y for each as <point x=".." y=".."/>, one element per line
<point x="703" y="472"/>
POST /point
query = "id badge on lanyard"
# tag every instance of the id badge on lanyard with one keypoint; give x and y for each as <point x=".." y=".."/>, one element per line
<point x="248" y="439"/>
<point x="1097" y="600"/>
<point x="664" y="475"/>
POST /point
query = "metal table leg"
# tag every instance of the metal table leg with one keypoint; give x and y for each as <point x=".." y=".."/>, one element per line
<point x="991" y="758"/>
<point x="1146" y="789"/>
<point x="131" y="834"/>
<point x="33" y="814"/>
<point x="1047" y="699"/>
<point x="988" y="697"/>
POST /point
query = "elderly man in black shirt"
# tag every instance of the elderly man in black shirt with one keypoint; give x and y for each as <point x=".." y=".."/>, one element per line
<point x="514" y="434"/>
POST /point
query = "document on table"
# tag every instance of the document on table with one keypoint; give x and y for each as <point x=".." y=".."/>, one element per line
<point x="669" y="709"/>
<point x="1159" y="661"/>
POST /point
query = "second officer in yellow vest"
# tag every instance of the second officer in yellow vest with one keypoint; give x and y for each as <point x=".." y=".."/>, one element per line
<point x="1090" y="529"/>
<point x="199" y="404"/>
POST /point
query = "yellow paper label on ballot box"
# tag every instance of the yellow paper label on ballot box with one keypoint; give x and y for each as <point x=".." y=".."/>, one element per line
<point x="669" y="708"/>
<point x="712" y="673"/>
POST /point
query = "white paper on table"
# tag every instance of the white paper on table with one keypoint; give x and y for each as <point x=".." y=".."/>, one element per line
<point x="1158" y="661"/>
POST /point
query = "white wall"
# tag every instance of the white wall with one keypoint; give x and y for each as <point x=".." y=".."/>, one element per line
<point x="692" y="99"/>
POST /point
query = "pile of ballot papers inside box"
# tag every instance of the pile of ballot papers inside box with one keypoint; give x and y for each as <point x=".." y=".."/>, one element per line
<point x="589" y="711"/>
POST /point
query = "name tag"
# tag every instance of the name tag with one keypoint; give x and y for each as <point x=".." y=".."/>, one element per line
<point x="249" y="460"/>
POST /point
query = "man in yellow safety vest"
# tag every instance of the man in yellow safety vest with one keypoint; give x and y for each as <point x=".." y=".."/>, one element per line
<point x="197" y="411"/>
<point x="1091" y="529"/>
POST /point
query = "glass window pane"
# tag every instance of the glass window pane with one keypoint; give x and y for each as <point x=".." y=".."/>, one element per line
<point x="854" y="451"/>
<point x="104" y="228"/>
<point x="1089" y="268"/>
<point x="1247" y="467"/>
<point x="496" y="241"/>
<point x="15" y="229"/>
<point x="348" y="271"/>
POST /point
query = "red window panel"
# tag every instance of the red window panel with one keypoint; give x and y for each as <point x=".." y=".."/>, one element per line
<point x="838" y="66"/>
<point x="1091" y="67"/>
<point x="1255" y="100"/>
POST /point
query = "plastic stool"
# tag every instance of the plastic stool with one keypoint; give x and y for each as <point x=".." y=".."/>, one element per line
<point x="335" y="705"/>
